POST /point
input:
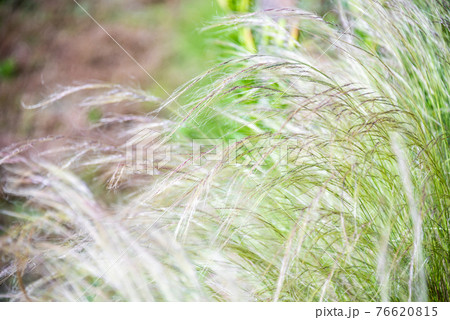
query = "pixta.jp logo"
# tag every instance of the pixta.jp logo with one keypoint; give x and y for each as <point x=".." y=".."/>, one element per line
<point x="148" y="152"/>
<point x="145" y="152"/>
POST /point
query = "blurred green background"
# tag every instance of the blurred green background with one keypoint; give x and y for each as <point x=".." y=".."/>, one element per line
<point x="50" y="43"/>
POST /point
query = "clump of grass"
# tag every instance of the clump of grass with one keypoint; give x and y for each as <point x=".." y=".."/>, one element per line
<point x="356" y="211"/>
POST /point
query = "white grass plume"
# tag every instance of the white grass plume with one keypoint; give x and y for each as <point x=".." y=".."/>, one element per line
<point x="309" y="229"/>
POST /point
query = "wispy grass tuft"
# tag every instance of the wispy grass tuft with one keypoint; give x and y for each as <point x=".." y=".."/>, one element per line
<point x="358" y="210"/>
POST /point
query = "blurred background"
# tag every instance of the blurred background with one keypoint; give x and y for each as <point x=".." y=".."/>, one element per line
<point x="49" y="43"/>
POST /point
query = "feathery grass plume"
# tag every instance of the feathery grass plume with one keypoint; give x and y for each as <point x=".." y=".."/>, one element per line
<point x="321" y="174"/>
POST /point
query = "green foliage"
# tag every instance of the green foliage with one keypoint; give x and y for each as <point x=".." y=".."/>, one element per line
<point x="8" y="68"/>
<point x="236" y="5"/>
